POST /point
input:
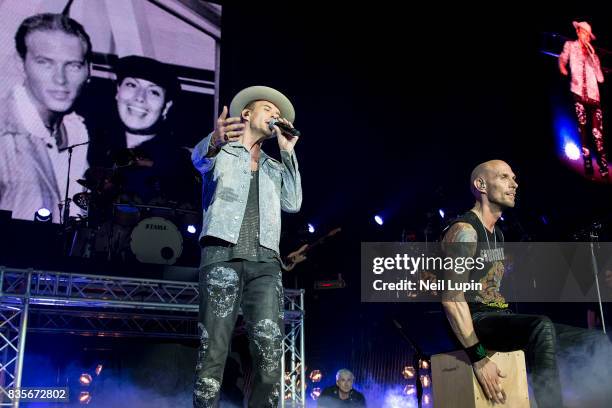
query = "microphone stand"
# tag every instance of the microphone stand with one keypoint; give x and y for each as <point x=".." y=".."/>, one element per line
<point x="593" y="235"/>
<point x="67" y="200"/>
<point x="416" y="357"/>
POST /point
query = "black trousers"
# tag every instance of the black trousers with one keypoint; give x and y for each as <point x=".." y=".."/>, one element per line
<point x="542" y="341"/>
<point x="590" y="127"/>
<point x="225" y="287"/>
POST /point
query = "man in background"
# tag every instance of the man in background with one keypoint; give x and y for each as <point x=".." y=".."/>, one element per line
<point x="342" y="394"/>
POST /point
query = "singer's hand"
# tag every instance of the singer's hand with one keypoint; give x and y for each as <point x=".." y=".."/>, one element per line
<point x="227" y="130"/>
<point x="285" y="141"/>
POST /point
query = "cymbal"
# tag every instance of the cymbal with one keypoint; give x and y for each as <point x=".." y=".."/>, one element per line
<point x="82" y="200"/>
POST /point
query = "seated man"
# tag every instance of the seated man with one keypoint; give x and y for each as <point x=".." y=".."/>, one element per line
<point x="342" y="394"/>
<point x="486" y="322"/>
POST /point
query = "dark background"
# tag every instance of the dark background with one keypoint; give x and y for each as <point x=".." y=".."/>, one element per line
<point x="396" y="107"/>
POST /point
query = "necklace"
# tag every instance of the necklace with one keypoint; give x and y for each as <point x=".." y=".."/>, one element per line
<point x="487" y="233"/>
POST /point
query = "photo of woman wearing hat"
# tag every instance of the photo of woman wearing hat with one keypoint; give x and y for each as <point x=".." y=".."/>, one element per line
<point x="138" y="141"/>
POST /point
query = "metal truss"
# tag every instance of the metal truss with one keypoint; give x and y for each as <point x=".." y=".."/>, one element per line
<point x="112" y="324"/>
<point x="293" y="384"/>
<point x="10" y="363"/>
<point x="70" y="289"/>
<point x="58" y="302"/>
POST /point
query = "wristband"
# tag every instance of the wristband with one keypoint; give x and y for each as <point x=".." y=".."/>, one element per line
<point x="476" y="352"/>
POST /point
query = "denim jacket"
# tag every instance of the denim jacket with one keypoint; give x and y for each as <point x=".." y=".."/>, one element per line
<point x="225" y="185"/>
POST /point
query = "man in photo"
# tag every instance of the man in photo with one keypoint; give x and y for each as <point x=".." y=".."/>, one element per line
<point x="37" y="125"/>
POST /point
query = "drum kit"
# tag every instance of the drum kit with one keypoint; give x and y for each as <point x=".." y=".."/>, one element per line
<point x="119" y="226"/>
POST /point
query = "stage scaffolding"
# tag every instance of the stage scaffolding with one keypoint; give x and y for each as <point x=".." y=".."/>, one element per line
<point x="34" y="300"/>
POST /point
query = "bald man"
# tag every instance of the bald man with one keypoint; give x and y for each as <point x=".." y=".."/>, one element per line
<point x="481" y="319"/>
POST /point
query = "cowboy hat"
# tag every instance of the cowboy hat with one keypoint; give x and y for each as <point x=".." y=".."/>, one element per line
<point x="262" y="93"/>
<point x="584" y="26"/>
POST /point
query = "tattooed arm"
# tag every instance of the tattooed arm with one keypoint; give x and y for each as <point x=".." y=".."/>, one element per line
<point x="461" y="241"/>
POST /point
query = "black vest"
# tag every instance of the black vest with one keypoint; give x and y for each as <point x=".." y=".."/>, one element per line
<point x="490" y="247"/>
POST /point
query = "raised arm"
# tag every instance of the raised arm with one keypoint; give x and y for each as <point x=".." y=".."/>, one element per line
<point x="226" y="130"/>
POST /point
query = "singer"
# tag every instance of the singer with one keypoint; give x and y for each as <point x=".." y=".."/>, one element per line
<point x="585" y="76"/>
<point x="244" y="191"/>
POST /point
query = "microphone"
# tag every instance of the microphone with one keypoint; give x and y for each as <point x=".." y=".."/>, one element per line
<point x="284" y="128"/>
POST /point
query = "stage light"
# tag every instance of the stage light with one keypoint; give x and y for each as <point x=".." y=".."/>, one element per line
<point x="311" y="228"/>
<point x="441" y="212"/>
<point x="409" y="389"/>
<point x="288" y="395"/>
<point x="316" y="376"/>
<point x="568" y="137"/>
<point x="98" y="369"/>
<point x="84" y="397"/>
<point x="424" y="364"/>
<point x="85" y="379"/>
<point x="502" y="218"/>
<point x="315" y="393"/>
<point x="379" y="220"/>
<point x="425" y="381"/>
<point x="571" y="151"/>
<point x="43" y="215"/>
<point x="426" y="399"/>
<point x="408" y="372"/>
<point x="191" y="229"/>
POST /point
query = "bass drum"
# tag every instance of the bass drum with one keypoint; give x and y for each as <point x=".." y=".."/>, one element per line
<point x="156" y="240"/>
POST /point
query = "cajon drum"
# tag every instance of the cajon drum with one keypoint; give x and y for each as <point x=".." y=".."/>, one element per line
<point x="455" y="385"/>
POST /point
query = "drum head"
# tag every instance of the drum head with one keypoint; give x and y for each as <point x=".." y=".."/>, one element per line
<point x="156" y="240"/>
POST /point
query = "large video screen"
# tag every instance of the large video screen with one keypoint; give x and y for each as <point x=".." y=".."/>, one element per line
<point x="101" y="103"/>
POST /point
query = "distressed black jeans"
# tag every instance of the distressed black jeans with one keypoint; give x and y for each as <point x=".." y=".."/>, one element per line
<point x="590" y="127"/>
<point x="542" y="341"/>
<point x="256" y="288"/>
